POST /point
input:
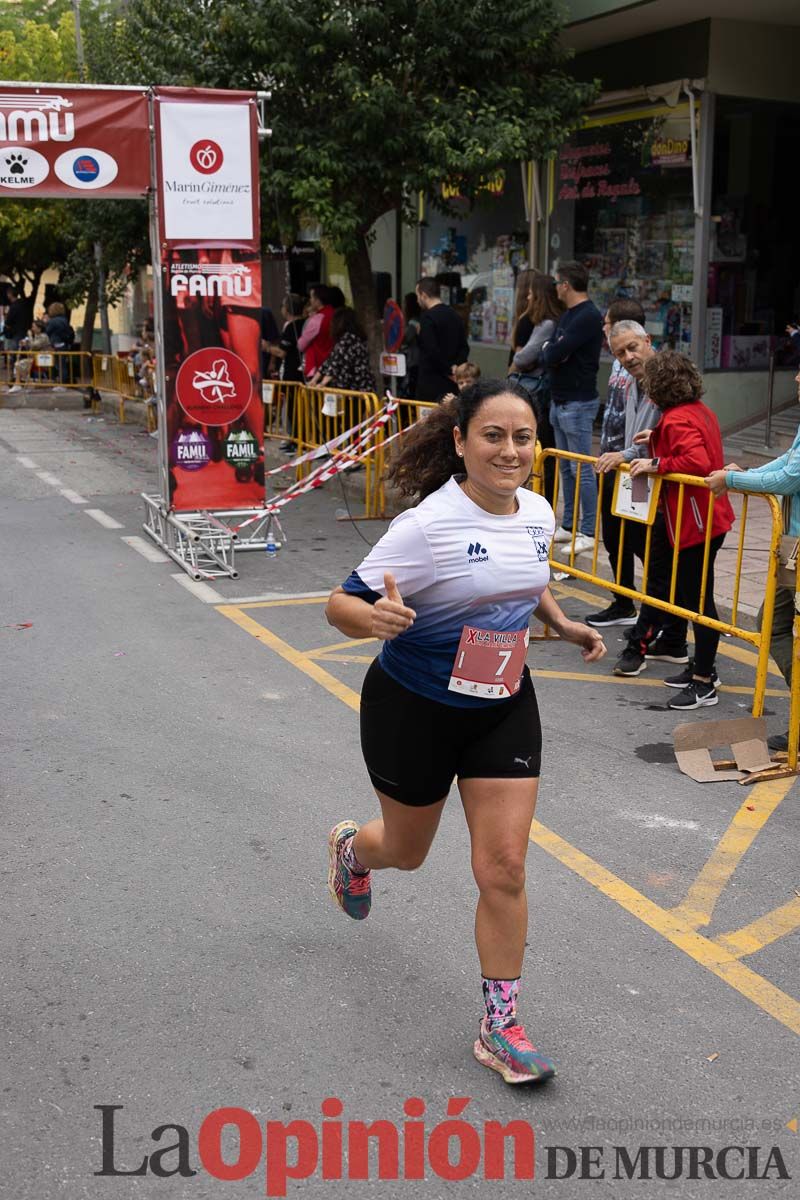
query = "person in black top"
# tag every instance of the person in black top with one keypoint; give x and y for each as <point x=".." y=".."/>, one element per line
<point x="442" y="343"/>
<point x="573" y="357"/>
<point x="17" y="320"/>
<point x="288" y="353"/>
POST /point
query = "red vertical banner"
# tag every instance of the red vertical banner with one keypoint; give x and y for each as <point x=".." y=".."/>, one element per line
<point x="207" y="181"/>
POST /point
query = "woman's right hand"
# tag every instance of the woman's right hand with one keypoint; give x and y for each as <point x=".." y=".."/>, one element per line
<point x="390" y="616"/>
<point x="642" y="438"/>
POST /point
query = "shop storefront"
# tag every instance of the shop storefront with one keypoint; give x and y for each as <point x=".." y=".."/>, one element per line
<point x="477" y="254"/>
<point x="621" y="201"/>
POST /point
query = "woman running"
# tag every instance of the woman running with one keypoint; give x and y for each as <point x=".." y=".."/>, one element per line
<point x="449" y="590"/>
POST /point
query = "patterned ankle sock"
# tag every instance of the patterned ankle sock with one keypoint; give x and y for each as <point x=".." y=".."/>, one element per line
<point x="500" y="998"/>
<point x="349" y="858"/>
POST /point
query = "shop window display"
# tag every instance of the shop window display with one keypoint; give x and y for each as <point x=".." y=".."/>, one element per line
<point x="476" y="252"/>
<point x="623" y="205"/>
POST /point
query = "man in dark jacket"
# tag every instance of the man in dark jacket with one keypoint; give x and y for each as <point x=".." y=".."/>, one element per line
<point x="17" y="320"/>
<point x="573" y="357"/>
<point x="442" y="343"/>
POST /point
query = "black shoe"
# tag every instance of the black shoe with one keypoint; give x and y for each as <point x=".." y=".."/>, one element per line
<point x="630" y="662"/>
<point x="779" y="742"/>
<point x="695" y="695"/>
<point x="287" y="447"/>
<point x="686" y="676"/>
<point x="672" y="654"/>
<point x="617" y="613"/>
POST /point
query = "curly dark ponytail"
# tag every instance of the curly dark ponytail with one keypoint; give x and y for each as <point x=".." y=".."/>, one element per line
<point x="427" y="456"/>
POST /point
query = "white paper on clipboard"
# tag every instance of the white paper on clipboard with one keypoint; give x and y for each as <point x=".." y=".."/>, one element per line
<point x="644" y="507"/>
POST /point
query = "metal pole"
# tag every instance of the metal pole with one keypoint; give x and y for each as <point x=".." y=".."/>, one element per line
<point x="702" y="219"/>
<point x="770" y="395"/>
<point x="158" y="311"/>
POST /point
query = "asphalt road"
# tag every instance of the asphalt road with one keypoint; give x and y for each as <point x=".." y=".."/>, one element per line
<point x="169" y="776"/>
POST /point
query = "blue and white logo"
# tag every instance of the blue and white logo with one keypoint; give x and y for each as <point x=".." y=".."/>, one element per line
<point x="477" y="553"/>
<point x="86" y="168"/>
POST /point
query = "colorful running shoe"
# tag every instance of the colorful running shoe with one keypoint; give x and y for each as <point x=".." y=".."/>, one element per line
<point x="353" y="893"/>
<point x="509" y="1052"/>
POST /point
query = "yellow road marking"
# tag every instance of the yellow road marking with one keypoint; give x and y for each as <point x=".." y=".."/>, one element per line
<point x="334" y="654"/>
<point x="295" y="657"/>
<point x="713" y="957"/>
<point x="290" y="600"/>
<point x="318" y="651"/>
<point x="697" y="908"/>
<point x="672" y="925"/>
<point x="765" y="930"/>
<point x="737" y="653"/>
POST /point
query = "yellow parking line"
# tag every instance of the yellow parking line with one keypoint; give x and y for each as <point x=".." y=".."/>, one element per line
<point x="334" y="654"/>
<point x="713" y="957"/>
<point x="295" y="657"/>
<point x="563" y="592"/>
<point x="697" y="908"/>
<point x="318" y="651"/>
<point x="762" y="932"/>
<point x="671" y="925"/>
<point x="290" y="600"/>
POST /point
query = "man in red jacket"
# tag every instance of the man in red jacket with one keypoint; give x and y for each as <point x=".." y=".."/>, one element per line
<point x="686" y="441"/>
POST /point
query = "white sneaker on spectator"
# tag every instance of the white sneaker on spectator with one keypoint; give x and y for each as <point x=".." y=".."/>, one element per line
<point x="582" y="542"/>
<point x="562" y="535"/>
<point x="15" y="388"/>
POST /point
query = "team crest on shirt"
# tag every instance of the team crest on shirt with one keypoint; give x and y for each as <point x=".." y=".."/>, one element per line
<point x="539" y="538"/>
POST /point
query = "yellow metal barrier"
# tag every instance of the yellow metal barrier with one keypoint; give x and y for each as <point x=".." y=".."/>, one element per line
<point x="280" y="406"/>
<point x="46" y="368"/>
<point x="760" y="639"/>
<point x="408" y="412"/>
<point x="321" y="414"/>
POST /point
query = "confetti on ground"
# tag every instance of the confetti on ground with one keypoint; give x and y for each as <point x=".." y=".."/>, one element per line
<point x="712" y="1057"/>
<point x="20" y="625"/>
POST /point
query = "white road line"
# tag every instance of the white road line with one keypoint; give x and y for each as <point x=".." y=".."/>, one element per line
<point x="73" y="497"/>
<point x="201" y="590"/>
<point x="102" y="518"/>
<point x="27" y="462"/>
<point x="52" y="480"/>
<point x="146" y="549"/>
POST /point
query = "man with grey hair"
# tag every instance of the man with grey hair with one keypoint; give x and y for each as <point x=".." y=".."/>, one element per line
<point x="628" y="337"/>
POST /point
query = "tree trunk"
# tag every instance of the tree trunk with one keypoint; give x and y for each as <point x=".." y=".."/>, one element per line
<point x="359" y="270"/>
<point x="87" y="333"/>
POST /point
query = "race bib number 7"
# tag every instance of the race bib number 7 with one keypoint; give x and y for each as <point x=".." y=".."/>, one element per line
<point x="489" y="664"/>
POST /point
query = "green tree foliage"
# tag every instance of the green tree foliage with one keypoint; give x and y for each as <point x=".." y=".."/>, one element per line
<point x="373" y="100"/>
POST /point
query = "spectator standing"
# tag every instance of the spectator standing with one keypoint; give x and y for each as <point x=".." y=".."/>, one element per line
<point x="62" y="337"/>
<point x="316" y="341"/>
<point x="781" y="477"/>
<point x="286" y="350"/>
<point x="17" y="320"/>
<point x="536" y="326"/>
<point x="627" y="412"/>
<point x="573" y="357"/>
<point x="410" y="343"/>
<point x="347" y="366"/>
<point x="442" y="342"/>
<point x="687" y="441"/>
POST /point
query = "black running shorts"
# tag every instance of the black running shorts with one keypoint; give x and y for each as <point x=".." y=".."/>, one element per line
<point x="414" y="747"/>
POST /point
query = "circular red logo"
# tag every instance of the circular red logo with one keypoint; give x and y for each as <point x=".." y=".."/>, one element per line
<point x="206" y="157"/>
<point x="213" y="386"/>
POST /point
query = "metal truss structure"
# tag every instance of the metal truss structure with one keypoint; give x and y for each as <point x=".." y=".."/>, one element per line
<point x="204" y="544"/>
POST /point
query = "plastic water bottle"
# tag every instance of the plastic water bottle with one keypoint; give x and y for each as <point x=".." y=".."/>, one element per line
<point x="271" y="547"/>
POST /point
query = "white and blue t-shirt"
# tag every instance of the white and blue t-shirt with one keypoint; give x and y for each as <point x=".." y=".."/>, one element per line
<point x="456" y="565"/>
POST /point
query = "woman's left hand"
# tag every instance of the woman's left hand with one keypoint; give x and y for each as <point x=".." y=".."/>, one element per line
<point x="591" y="642"/>
<point x="642" y="466"/>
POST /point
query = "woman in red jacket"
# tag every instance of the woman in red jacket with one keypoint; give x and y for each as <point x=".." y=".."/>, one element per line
<point x="686" y="441"/>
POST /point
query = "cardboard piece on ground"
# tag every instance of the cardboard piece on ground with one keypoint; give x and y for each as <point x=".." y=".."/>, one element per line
<point x="746" y="736"/>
